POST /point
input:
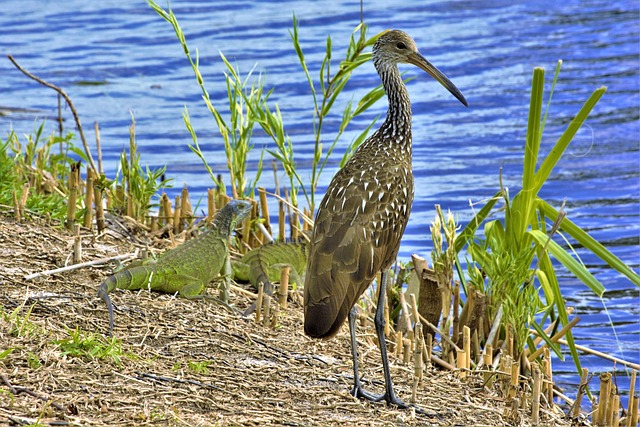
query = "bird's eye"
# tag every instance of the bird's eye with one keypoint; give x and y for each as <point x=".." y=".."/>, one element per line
<point x="401" y="45"/>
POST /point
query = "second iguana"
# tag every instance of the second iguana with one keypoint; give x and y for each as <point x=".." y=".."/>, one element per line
<point x="263" y="265"/>
<point x="186" y="269"/>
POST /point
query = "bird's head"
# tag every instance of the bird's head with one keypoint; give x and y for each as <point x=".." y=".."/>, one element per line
<point x="397" y="47"/>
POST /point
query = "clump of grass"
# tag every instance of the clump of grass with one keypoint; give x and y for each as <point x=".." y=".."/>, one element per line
<point x="17" y="323"/>
<point x="237" y="131"/>
<point x="91" y="346"/>
<point x="134" y="186"/>
<point x="511" y="261"/>
<point x="34" y="173"/>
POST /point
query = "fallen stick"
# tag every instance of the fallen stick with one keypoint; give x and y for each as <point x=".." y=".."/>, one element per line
<point x="603" y="355"/>
<point x="81" y="265"/>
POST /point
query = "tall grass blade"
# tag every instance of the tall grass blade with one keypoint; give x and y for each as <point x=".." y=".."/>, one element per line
<point x="590" y="243"/>
<point x="568" y="261"/>
<point x="561" y="145"/>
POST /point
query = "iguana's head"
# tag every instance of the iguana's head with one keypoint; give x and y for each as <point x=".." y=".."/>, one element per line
<point x="231" y="215"/>
<point x="239" y="210"/>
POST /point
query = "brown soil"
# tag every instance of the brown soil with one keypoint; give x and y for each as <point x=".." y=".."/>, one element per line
<point x="254" y="375"/>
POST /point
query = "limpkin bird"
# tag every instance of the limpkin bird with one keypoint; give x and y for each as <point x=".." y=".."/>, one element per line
<point x="364" y="212"/>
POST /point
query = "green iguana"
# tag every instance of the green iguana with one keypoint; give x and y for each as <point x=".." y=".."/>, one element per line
<point x="186" y="269"/>
<point x="263" y="265"/>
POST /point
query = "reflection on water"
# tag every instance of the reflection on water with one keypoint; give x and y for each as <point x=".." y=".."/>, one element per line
<point x="487" y="48"/>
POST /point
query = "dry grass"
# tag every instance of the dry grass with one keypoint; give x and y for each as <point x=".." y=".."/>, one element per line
<point x="189" y="362"/>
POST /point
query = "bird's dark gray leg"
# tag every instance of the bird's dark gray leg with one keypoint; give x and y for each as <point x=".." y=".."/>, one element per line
<point x="357" y="390"/>
<point x="389" y="395"/>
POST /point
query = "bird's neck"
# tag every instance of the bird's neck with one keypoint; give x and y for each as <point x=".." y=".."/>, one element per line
<point x="397" y="125"/>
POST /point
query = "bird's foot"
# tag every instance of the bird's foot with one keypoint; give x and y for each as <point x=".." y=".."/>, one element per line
<point x="390" y="398"/>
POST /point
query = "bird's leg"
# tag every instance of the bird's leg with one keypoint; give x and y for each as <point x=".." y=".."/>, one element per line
<point x="357" y="390"/>
<point x="389" y="395"/>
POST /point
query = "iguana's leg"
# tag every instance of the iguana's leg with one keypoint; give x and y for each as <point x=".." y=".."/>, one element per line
<point x="227" y="273"/>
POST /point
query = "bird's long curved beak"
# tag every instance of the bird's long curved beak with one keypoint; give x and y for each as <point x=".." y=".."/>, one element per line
<point x="420" y="62"/>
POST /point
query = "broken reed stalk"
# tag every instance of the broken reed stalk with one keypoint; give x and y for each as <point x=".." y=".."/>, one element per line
<point x="614" y="420"/>
<point x="259" y="301"/>
<point x="74" y="177"/>
<point x="466" y="345"/>
<point x="575" y="411"/>
<point x="399" y="344"/>
<point x="633" y="415"/>
<point x="487" y="360"/>
<point x="535" y="395"/>
<point x="264" y="208"/>
<point x="548" y="373"/>
<point x="168" y="212"/>
<point x="16" y="207"/>
<point x="185" y="210"/>
<point x="246" y="230"/>
<point x="632" y="390"/>
<point x="97" y="200"/>
<point x="418" y="367"/>
<point x="281" y="222"/>
<point x="406" y="351"/>
<point x="554" y="338"/>
<point x="77" y="244"/>
<point x="266" y="321"/>
<point x="405" y="311"/>
<point x="456" y="316"/>
<point x="274" y="316"/>
<point x="430" y="300"/>
<point x="428" y="349"/>
<point x="283" y="288"/>
<point x="600" y="416"/>
<point x="96" y="128"/>
<point x="177" y="226"/>
<point x="461" y="363"/>
<point x="211" y="205"/>
<point x="88" y="199"/>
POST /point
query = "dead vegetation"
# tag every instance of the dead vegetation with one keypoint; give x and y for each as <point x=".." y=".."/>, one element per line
<point x="189" y="362"/>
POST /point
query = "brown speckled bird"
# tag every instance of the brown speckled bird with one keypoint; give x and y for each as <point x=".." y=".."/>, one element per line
<point x="364" y="212"/>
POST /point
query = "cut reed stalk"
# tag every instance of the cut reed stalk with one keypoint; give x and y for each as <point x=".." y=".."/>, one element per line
<point x="399" y="344"/>
<point x="177" y="226"/>
<point x="16" y="207"/>
<point x="281" y="222"/>
<point x="575" y="411"/>
<point x="632" y="390"/>
<point x="283" y="288"/>
<point x="77" y="244"/>
<point x="548" y="375"/>
<point x="97" y="200"/>
<point x="461" y="363"/>
<point x="274" y="315"/>
<point x="74" y="177"/>
<point x="466" y="345"/>
<point x="266" y="321"/>
<point x="259" y="301"/>
<point x="211" y="205"/>
<point x="88" y="199"/>
<point x="264" y="208"/>
<point x="600" y="417"/>
<point x="535" y="395"/>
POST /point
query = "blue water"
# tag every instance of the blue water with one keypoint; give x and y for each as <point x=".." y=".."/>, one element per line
<point x="488" y="48"/>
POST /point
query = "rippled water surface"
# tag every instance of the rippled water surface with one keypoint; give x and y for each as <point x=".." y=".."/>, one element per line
<point x="487" y="48"/>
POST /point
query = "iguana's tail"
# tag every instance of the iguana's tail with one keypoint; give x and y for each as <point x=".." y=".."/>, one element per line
<point x="103" y="292"/>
